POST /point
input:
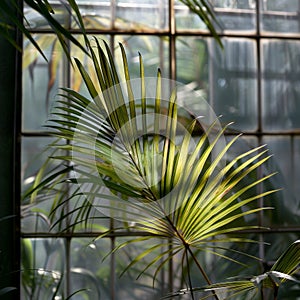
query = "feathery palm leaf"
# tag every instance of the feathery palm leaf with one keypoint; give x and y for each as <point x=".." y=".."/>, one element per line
<point x="204" y="10"/>
<point x="13" y="16"/>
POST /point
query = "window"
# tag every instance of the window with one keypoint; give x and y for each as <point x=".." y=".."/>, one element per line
<point x="253" y="81"/>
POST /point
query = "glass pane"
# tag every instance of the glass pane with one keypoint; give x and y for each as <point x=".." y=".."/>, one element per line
<point x="185" y="19"/>
<point x="34" y="155"/>
<point x="41" y="81"/>
<point x="192" y="62"/>
<point x="96" y="14"/>
<point x="36" y="209"/>
<point x="128" y="286"/>
<point x="233" y="84"/>
<point x="76" y="80"/>
<point x="89" y="272"/>
<point x="280" y="16"/>
<point x="227" y="78"/>
<point x="36" y="22"/>
<point x="281" y="89"/>
<point x="143" y="14"/>
<point x="43" y="269"/>
<point x="192" y="69"/>
<point x="154" y="51"/>
<point x="231" y="15"/>
<point x="285" y="202"/>
<point x="296" y="165"/>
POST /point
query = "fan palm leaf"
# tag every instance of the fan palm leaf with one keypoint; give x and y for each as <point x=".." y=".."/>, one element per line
<point x="134" y="161"/>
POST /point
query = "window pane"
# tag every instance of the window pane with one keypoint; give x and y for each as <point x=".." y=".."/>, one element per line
<point x="36" y="22"/>
<point x="154" y="51"/>
<point x="35" y="211"/>
<point x="281" y="89"/>
<point x="43" y="268"/>
<point x="41" y="81"/>
<point x="233" y="87"/>
<point x="227" y="78"/>
<point x="280" y="16"/>
<point x="34" y="155"/>
<point x="96" y="14"/>
<point x="89" y="272"/>
<point x="285" y="202"/>
<point x="142" y="288"/>
<point x="143" y="14"/>
<point x="186" y="20"/>
<point x="231" y="15"/>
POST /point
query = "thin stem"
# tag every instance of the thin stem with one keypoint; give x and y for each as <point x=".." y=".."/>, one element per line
<point x="189" y="275"/>
<point x="201" y="269"/>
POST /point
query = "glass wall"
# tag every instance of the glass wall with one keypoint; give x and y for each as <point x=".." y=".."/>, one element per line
<point x="252" y="80"/>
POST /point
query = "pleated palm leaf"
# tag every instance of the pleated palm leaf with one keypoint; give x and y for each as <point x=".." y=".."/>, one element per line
<point x="135" y="161"/>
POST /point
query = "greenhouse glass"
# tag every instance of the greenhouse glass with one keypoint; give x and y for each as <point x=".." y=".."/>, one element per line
<point x="253" y="81"/>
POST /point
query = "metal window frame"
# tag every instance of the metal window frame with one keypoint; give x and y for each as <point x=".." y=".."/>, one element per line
<point x="172" y="33"/>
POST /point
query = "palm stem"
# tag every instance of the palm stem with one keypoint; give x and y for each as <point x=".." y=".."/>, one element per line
<point x="189" y="274"/>
<point x="200" y="268"/>
<point x="188" y="250"/>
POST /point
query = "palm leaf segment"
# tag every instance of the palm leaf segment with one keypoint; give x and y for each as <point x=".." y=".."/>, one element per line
<point x="136" y="161"/>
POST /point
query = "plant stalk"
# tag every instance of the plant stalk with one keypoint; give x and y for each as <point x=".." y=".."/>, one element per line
<point x="201" y="269"/>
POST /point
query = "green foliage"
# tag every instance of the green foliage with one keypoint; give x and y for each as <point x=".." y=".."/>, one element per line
<point x="253" y="287"/>
<point x="189" y="198"/>
<point x="43" y="7"/>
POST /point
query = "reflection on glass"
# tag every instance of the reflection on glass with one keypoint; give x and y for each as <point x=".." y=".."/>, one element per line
<point x="192" y="71"/>
<point x="34" y="154"/>
<point x="281" y="89"/>
<point x="243" y="4"/>
<point x="280" y="16"/>
<point x="105" y="14"/>
<point x="185" y="19"/>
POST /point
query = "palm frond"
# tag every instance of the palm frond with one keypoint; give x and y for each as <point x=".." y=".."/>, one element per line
<point x="14" y="17"/>
<point x="204" y="10"/>
<point x="135" y="161"/>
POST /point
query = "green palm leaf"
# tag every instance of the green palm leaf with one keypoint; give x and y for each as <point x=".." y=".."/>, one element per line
<point x="133" y="159"/>
<point x="204" y="10"/>
<point x="12" y="16"/>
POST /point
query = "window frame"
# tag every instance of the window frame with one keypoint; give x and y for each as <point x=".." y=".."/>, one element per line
<point x="172" y="34"/>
